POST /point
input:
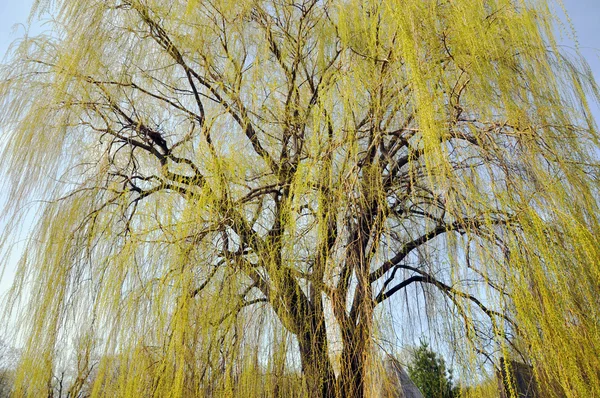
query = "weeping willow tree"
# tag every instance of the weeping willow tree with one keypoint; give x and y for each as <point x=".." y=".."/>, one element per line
<point x="260" y="198"/>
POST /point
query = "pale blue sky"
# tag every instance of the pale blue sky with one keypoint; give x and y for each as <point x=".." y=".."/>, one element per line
<point x="12" y="13"/>
<point x="585" y="16"/>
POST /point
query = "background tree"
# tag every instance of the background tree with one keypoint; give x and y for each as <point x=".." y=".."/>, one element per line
<point x="8" y="363"/>
<point x="6" y="382"/>
<point x="230" y="189"/>
<point x="428" y="371"/>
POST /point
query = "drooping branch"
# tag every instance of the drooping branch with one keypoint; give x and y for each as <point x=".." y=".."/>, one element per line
<point x="449" y="291"/>
<point x="241" y="116"/>
<point x="462" y="225"/>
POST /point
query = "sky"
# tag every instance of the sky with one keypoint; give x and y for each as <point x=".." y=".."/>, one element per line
<point x="12" y="13"/>
<point x="584" y="14"/>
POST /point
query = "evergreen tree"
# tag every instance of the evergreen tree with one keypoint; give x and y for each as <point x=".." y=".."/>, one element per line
<point x="428" y="371"/>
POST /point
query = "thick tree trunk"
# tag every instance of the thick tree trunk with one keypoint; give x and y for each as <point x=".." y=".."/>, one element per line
<point x="356" y="337"/>
<point x="351" y="381"/>
<point x="306" y="320"/>
<point x="316" y="365"/>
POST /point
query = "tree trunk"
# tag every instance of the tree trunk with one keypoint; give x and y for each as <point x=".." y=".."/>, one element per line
<point x="356" y="336"/>
<point x="352" y="365"/>
<point x="306" y="320"/>
<point x="314" y="354"/>
<point x="316" y="365"/>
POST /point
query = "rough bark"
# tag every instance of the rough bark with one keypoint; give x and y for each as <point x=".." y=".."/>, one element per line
<point x="316" y="364"/>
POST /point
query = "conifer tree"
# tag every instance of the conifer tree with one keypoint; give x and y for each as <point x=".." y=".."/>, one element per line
<point x="428" y="371"/>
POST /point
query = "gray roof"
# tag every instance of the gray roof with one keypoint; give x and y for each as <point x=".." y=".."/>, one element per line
<point x="403" y="385"/>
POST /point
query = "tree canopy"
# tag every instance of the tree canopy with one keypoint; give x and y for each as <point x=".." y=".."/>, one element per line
<point x="241" y="198"/>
